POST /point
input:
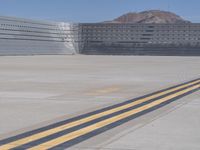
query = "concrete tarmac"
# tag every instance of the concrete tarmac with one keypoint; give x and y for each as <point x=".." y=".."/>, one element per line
<point x="39" y="90"/>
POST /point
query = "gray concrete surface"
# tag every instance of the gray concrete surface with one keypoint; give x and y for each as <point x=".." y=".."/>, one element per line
<point x="174" y="127"/>
<point x="38" y="90"/>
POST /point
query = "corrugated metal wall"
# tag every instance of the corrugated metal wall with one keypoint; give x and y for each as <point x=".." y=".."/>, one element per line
<point x="28" y="37"/>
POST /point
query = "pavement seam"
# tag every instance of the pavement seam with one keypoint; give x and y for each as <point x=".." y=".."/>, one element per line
<point x="167" y="112"/>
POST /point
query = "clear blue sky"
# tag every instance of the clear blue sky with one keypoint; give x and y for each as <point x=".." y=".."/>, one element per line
<point x="94" y="10"/>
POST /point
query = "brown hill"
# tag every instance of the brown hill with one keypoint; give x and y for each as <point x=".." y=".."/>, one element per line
<point x="152" y="16"/>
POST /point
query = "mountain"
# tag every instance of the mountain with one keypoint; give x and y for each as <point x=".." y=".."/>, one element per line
<point x="151" y="16"/>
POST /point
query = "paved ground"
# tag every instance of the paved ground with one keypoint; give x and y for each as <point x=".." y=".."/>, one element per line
<point x="37" y="90"/>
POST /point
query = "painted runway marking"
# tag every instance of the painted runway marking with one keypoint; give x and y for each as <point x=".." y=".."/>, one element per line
<point x="106" y="90"/>
<point x="75" y="130"/>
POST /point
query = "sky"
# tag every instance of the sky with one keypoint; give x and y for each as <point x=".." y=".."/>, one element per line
<point x="94" y="10"/>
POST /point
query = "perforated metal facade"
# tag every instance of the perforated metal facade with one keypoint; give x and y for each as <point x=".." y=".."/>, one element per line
<point x="141" y="39"/>
<point x="29" y="37"/>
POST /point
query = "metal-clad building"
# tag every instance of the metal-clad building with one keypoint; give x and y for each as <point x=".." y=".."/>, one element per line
<point x="140" y="39"/>
<point x="29" y="37"/>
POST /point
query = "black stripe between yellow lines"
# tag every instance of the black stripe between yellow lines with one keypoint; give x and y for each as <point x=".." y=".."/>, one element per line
<point x="100" y="130"/>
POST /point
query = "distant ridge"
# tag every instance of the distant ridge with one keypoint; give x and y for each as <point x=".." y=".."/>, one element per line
<point x="151" y="16"/>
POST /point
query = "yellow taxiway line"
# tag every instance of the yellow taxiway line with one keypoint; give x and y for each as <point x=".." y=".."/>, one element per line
<point x="78" y="133"/>
<point x="46" y="133"/>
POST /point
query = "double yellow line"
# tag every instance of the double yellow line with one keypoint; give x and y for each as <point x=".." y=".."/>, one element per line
<point x="181" y="90"/>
